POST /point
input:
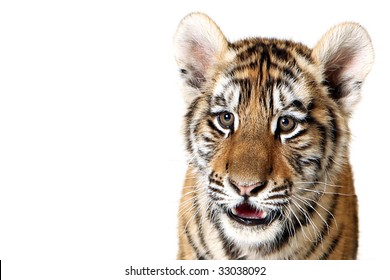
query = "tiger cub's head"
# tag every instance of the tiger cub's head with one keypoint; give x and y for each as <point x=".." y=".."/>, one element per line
<point x="266" y="119"/>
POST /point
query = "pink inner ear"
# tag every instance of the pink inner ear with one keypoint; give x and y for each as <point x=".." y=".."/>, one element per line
<point x="202" y="55"/>
<point x="345" y="65"/>
<point x="353" y="68"/>
<point x="348" y="63"/>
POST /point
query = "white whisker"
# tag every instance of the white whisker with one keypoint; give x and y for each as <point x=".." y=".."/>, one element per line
<point x="323" y="192"/>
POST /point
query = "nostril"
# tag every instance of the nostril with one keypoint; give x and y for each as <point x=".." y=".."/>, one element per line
<point x="258" y="188"/>
<point x="246" y="189"/>
<point x="235" y="186"/>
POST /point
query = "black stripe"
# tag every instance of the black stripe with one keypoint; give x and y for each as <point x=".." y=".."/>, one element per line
<point x="334" y="136"/>
<point x="196" y="128"/>
<point x="189" y="147"/>
<point x="264" y="64"/>
<point x="335" y="91"/>
<point x="205" y="156"/>
<point x="303" y="147"/>
<point x="216" y="182"/>
<point x="280" y="53"/>
<point x="215" y="134"/>
<point x="304" y="52"/>
<point x="296" y="225"/>
<point x="300" y="133"/>
<point x="211" y="216"/>
<point x="275" y="204"/>
<point x="251" y="51"/>
<point x="297" y="105"/>
<point x="281" y="239"/>
<point x="282" y="99"/>
<point x="200" y="229"/>
<point x="276" y="196"/>
<point x="294" y="161"/>
<point x="192" y="244"/>
<point x="216" y="190"/>
<point x="321" y="129"/>
<point x="309" y="162"/>
<point x="333" y="245"/>
<point x="334" y="133"/>
<point x="240" y="100"/>
<point x="226" y="87"/>
<point x="309" y="209"/>
<point x="188" y="120"/>
<point x="214" y="128"/>
<point x="288" y="74"/>
<point x="208" y="139"/>
<point x="229" y="96"/>
<point x="219" y="101"/>
<point x="279" y="188"/>
<point x="310" y="106"/>
<point x="270" y="86"/>
<point x="324" y="139"/>
<point x="231" y="252"/>
<point x="246" y="90"/>
<point x="324" y="229"/>
<point x="215" y="197"/>
<point x="243" y="67"/>
<point x="265" y="59"/>
<point x="192" y="77"/>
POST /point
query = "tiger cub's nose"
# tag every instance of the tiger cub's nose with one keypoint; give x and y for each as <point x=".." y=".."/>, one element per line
<point x="247" y="189"/>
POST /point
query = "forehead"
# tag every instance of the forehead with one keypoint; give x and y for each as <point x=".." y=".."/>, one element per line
<point x="263" y="69"/>
<point x="270" y="53"/>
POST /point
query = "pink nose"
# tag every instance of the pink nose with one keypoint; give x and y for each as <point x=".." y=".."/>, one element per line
<point x="246" y="189"/>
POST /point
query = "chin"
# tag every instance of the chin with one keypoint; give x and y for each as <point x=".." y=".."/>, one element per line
<point x="250" y="235"/>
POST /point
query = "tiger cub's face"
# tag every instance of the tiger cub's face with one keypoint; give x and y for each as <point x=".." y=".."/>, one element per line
<point x="266" y="121"/>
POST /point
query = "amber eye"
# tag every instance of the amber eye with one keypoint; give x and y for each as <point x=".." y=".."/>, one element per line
<point x="226" y="120"/>
<point x="286" y="124"/>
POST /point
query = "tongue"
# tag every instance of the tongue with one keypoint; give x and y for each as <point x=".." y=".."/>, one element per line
<point x="246" y="211"/>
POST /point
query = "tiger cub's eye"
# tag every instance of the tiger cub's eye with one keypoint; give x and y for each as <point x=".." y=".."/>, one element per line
<point x="286" y="124"/>
<point x="226" y="120"/>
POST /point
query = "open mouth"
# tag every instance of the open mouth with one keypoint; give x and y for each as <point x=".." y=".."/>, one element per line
<point x="248" y="215"/>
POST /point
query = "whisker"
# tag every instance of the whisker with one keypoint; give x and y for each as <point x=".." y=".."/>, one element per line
<point x="193" y="216"/>
<point x="188" y="187"/>
<point x="303" y="199"/>
<point x="323" y="192"/>
<point x="192" y="207"/>
<point x="308" y="204"/>
<point x="191" y="200"/>
<point x="319" y="204"/>
<point x="292" y="211"/>
<point x="324" y="183"/>
<point x="189" y="192"/>
<point x="191" y="177"/>
<point x="336" y="163"/>
<point x="304" y="212"/>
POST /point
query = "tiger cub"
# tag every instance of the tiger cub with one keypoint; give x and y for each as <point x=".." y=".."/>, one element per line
<point x="266" y="132"/>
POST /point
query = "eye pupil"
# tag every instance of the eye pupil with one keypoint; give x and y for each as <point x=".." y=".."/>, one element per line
<point x="286" y="124"/>
<point x="226" y="120"/>
<point x="285" y="121"/>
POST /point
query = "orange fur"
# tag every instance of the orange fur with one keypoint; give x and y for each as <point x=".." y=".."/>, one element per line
<point x="258" y="189"/>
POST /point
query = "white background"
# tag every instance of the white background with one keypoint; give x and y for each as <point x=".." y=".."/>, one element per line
<point x="91" y="154"/>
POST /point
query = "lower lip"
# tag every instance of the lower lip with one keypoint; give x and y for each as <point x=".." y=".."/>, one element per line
<point x="253" y="222"/>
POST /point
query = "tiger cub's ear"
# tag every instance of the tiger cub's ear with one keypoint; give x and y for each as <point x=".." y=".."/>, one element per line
<point x="200" y="47"/>
<point x="346" y="55"/>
